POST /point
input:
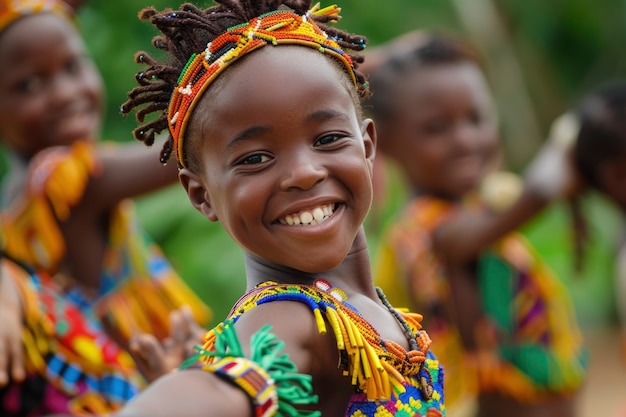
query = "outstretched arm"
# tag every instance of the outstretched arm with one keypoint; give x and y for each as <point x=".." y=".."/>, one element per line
<point x="550" y="175"/>
<point x="189" y="393"/>
<point x="128" y="170"/>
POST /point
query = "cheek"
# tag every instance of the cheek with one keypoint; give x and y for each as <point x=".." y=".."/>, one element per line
<point x="95" y="87"/>
<point x="22" y="120"/>
<point x="490" y="143"/>
<point x="241" y="201"/>
<point x="29" y="113"/>
<point x="429" y="155"/>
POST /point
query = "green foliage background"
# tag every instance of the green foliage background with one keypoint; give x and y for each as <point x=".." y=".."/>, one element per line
<point x="564" y="48"/>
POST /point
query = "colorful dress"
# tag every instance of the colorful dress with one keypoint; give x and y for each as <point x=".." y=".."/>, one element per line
<point x="74" y="365"/>
<point x="388" y="381"/>
<point x="531" y="347"/>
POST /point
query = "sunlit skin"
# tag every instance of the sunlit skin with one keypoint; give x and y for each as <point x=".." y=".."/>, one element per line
<point x="50" y="90"/>
<point x="280" y="135"/>
<point x="442" y="129"/>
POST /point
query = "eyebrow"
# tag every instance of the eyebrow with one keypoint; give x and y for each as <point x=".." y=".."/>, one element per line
<point x="317" y="116"/>
<point x="247" y="134"/>
<point x="327" y="114"/>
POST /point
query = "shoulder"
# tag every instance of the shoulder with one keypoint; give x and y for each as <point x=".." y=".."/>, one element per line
<point x="71" y="165"/>
<point x="293" y="323"/>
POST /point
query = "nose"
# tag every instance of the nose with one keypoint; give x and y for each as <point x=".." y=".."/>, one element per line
<point x="466" y="137"/>
<point x="303" y="171"/>
<point x="64" y="88"/>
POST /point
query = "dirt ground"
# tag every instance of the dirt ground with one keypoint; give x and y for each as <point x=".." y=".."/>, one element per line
<point x="605" y="392"/>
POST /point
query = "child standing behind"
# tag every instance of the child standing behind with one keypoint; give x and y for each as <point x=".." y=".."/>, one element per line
<point x="600" y="156"/>
<point x="503" y="324"/>
<point x="76" y="267"/>
<point x="262" y="105"/>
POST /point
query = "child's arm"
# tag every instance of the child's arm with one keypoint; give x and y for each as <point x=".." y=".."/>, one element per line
<point x="550" y="175"/>
<point x="189" y="393"/>
<point x="11" y="357"/>
<point x="128" y="170"/>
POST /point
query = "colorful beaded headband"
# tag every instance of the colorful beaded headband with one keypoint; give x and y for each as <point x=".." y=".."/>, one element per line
<point x="12" y="10"/>
<point x="274" y="28"/>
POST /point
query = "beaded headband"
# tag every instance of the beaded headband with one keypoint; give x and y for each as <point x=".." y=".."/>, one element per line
<point x="274" y="28"/>
<point x="12" y="10"/>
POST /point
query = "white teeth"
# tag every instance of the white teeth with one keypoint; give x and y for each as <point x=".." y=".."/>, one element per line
<point x="306" y="217"/>
<point x="316" y="216"/>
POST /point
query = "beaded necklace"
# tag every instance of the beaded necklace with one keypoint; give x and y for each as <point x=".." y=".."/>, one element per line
<point x="405" y="326"/>
<point x="373" y="364"/>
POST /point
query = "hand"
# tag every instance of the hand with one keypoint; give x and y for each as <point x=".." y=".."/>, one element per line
<point x="154" y="358"/>
<point x="552" y="173"/>
<point x="11" y="352"/>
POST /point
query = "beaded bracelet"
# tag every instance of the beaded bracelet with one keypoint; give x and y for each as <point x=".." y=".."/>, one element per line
<point x="252" y="379"/>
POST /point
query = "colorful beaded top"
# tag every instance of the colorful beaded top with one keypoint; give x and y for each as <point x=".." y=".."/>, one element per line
<point x="388" y="380"/>
<point x="275" y="28"/>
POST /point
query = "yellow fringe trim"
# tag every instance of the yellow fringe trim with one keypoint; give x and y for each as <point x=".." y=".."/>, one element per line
<point x="375" y="377"/>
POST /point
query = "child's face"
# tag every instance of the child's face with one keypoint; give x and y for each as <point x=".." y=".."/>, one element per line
<point x="50" y="90"/>
<point x="280" y="141"/>
<point x="443" y="131"/>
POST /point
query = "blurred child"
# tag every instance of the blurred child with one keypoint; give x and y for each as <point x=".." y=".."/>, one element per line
<point x="266" y="125"/>
<point x="77" y="270"/>
<point x="502" y="322"/>
<point x="600" y="157"/>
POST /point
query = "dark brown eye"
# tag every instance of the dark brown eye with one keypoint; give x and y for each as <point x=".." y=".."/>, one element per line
<point x="30" y="85"/>
<point x="255" y="159"/>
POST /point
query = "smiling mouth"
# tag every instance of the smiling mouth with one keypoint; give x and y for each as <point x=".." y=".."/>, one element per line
<point x="318" y="215"/>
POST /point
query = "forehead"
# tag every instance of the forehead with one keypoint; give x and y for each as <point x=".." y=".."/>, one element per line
<point x="433" y="82"/>
<point x="273" y="84"/>
<point x="37" y="36"/>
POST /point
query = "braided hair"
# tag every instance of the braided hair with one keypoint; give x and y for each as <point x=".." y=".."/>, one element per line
<point x="602" y="135"/>
<point x="188" y="31"/>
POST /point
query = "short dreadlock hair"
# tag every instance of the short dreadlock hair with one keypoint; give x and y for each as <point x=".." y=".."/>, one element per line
<point x="188" y="31"/>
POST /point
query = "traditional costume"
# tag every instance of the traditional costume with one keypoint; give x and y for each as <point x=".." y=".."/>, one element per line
<point x="388" y="380"/>
<point x="530" y="346"/>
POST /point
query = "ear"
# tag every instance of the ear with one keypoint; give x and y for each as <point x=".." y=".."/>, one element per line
<point x="197" y="193"/>
<point x="368" y="131"/>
